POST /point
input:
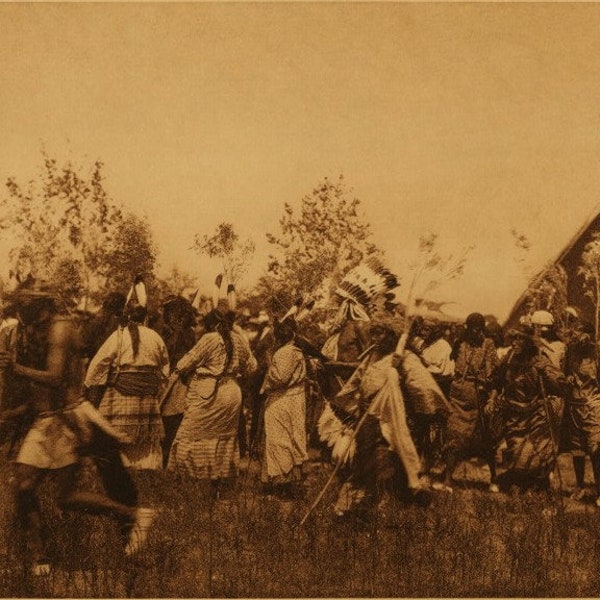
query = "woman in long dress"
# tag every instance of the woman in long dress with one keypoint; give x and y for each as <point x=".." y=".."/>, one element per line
<point x="466" y="433"/>
<point x="285" y="414"/>
<point x="206" y="444"/>
<point x="132" y="366"/>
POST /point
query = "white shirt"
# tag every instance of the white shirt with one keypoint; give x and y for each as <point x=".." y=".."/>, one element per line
<point x="437" y="358"/>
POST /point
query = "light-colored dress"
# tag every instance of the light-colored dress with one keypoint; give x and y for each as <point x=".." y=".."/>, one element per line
<point x="206" y="444"/>
<point x="285" y="416"/>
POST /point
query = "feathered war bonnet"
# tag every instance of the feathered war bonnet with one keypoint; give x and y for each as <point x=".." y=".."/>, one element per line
<point x="365" y="289"/>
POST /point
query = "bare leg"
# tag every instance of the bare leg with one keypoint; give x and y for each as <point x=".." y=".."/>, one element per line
<point x="28" y="479"/>
<point x="451" y="462"/>
<point x="91" y="502"/>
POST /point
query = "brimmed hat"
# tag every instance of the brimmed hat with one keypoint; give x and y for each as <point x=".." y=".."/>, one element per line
<point x="523" y="331"/>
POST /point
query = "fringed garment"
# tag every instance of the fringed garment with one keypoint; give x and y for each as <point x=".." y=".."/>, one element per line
<point x="384" y="442"/>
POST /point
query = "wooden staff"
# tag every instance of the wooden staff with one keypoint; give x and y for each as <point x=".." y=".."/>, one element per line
<point x="398" y="352"/>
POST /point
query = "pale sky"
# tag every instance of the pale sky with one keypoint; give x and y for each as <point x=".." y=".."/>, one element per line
<point x="466" y="120"/>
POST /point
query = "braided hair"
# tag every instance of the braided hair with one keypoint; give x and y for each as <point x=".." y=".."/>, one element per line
<point x="134" y="315"/>
<point x="222" y="324"/>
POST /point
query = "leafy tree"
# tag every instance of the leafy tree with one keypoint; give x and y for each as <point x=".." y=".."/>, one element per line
<point x="64" y="220"/>
<point x="318" y="244"/>
<point x="590" y="270"/>
<point x="132" y="252"/>
<point x="225" y="245"/>
<point x="176" y="282"/>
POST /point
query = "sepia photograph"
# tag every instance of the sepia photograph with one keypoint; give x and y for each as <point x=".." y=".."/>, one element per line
<point x="299" y="299"/>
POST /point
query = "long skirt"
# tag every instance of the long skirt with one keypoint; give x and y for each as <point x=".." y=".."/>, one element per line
<point x="463" y="433"/>
<point x="531" y="433"/>
<point x="138" y="418"/>
<point x="206" y="444"/>
<point x="581" y="425"/>
<point x="285" y="436"/>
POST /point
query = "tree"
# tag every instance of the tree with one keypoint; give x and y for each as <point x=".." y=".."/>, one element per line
<point x="64" y="220"/>
<point x="590" y="270"/>
<point x="318" y="244"/>
<point x="132" y="252"/>
<point x="176" y="282"/>
<point x="225" y="245"/>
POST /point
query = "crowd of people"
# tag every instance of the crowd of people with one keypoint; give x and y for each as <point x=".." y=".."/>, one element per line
<point x="394" y="401"/>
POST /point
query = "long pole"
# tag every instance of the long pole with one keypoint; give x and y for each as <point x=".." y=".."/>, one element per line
<point x="398" y="352"/>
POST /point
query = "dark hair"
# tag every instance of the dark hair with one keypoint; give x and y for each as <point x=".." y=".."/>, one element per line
<point x="494" y="331"/>
<point x="222" y="324"/>
<point x="134" y="315"/>
<point x="285" y="330"/>
<point x="29" y="311"/>
<point x="416" y="326"/>
<point x="389" y="342"/>
<point x="436" y="332"/>
<point x="475" y="320"/>
<point x="179" y="306"/>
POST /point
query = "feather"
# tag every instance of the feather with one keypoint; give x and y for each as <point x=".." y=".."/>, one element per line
<point x="305" y="311"/>
<point x="196" y="299"/>
<point x="336" y="435"/>
<point x="367" y="281"/>
<point x="290" y="313"/>
<point x="217" y="290"/>
<point x="140" y="293"/>
<point x="231" y="297"/>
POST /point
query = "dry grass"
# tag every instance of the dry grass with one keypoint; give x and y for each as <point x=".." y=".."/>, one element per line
<point x="466" y="544"/>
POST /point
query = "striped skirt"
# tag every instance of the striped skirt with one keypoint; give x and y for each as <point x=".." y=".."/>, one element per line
<point x="206" y="445"/>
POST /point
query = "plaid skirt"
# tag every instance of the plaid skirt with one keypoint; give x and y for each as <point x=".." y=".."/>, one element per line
<point x="137" y="418"/>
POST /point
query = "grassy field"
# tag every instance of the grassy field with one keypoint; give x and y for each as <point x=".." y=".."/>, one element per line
<point x="469" y="543"/>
